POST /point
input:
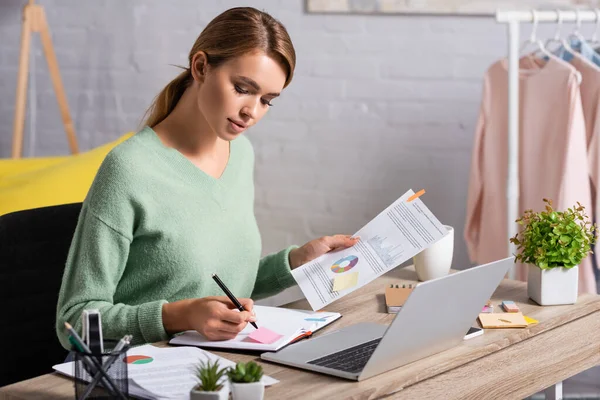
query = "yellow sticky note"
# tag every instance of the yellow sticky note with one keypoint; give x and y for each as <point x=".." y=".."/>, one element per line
<point x="345" y="281"/>
<point x="530" y="320"/>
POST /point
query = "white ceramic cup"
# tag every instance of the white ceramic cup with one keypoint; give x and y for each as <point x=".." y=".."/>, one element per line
<point x="436" y="260"/>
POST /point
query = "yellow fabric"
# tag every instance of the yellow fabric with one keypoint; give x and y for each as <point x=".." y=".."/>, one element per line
<point x="46" y="181"/>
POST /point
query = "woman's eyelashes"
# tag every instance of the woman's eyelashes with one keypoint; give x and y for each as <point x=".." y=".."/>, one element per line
<point x="239" y="90"/>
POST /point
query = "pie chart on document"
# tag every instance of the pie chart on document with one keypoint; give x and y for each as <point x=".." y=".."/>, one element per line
<point x="344" y="264"/>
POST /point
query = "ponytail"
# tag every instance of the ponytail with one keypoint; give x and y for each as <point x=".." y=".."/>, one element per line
<point x="167" y="99"/>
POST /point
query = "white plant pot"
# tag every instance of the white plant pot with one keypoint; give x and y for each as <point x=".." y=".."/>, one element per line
<point x="222" y="394"/>
<point x="436" y="260"/>
<point x="552" y="286"/>
<point x="247" y="391"/>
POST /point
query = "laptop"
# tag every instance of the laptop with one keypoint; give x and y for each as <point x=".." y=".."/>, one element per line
<point x="435" y="317"/>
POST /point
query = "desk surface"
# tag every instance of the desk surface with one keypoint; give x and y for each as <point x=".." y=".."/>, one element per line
<point x="502" y="363"/>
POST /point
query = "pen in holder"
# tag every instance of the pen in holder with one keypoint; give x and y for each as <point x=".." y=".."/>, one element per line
<point x="102" y="375"/>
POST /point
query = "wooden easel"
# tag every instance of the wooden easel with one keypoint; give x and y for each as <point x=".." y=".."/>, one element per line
<point x="34" y="20"/>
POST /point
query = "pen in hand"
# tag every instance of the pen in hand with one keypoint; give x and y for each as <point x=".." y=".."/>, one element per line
<point x="231" y="296"/>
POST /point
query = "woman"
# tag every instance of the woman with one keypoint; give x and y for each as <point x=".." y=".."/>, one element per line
<point x="174" y="204"/>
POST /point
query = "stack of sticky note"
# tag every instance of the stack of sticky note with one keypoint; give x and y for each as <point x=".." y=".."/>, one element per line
<point x="510" y="318"/>
<point x="396" y="296"/>
<point x="510" y="306"/>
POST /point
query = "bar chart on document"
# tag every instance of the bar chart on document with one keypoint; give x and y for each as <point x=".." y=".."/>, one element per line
<point x="392" y="237"/>
<point x="389" y="253"/>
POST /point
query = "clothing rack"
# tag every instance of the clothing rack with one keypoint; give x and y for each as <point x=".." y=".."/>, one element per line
<point x="513" y="19"/>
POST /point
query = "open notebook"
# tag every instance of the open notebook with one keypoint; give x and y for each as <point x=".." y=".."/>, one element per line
<point x="278" y="327"/>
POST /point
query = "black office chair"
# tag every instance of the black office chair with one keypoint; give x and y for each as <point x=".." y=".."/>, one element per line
<point x="33" y="250"/>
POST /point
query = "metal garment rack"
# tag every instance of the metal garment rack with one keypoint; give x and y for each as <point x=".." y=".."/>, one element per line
<point x="513" y="19"/>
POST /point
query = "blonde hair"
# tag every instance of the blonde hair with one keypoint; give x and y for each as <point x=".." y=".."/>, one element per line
<point x="233" y="33"/>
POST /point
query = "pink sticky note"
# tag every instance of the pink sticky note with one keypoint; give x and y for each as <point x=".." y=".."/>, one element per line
<point x="264" y="335"/>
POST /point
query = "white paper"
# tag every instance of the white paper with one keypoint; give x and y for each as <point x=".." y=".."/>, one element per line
<point x="395" y="235"/>
<point x="287" y="322"/>
<point x="170" y="375"/>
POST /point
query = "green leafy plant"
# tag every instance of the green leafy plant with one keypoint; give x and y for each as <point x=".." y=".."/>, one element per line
<point x="551" y="238"/>
<point x="245" y="372"/>
<point x="209" y="376"/>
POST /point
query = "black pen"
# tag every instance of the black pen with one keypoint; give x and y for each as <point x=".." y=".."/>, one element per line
<point x="231" y="296"/>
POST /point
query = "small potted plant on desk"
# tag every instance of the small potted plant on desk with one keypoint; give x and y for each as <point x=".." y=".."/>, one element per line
<point x="552" y="244"/>
<point x="210" y="387"/>
<point x="245" y="381"/>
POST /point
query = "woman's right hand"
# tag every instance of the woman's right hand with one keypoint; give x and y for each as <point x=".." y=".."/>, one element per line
<point x="215" y="317"/>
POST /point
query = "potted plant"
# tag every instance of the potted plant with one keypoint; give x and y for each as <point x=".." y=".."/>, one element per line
<point x="245" y="381"/>
<point x="552" y="244"/>
<point x="210" y="386"/>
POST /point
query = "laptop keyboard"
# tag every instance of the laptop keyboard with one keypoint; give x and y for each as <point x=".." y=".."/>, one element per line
<point x="352" y="359"/>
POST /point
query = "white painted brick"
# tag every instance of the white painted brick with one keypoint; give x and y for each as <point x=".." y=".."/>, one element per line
<point x="416" y="66"/>
<point x="280" y="219"/>
<point x="414" y="90"/>
<point x="287" y="108"/>
<point x="317" y="43"/>
<point x="464" y="25"/>
<point x="408" y="27"/>
<point x="278" y="152"/>
<point x="462" y="44"/>
<point x="432" y="113"/>
<point x="350" y="134"/>
<point x="75" y="39"/>
<point x="344" y="66"/>
<point x="270" y="174"/>
<point x="326" y="225"/>
<point x="359" y="111"/>
<point x="9" y="57"/>
<point x="293" y="199"/>
<point x="472" y="67"/>
<point x="271" y="130"/>
<point x="332" y="24"/>
<point x="132" y="103"/>
<point x="316" y="87"/>
<point x="372" y="44"/>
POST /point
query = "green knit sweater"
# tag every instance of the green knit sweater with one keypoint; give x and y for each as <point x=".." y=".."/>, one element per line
<point x="153" y="228"/>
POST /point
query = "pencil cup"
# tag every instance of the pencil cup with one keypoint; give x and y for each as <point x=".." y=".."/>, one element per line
<point x="101" y="376"/>
<point x="436" y="260"/>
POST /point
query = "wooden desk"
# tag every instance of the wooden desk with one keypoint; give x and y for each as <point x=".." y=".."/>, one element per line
<point x="505" y="363"/>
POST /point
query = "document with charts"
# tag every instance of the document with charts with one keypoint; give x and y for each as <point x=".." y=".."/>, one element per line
<point x="398" y="233"/>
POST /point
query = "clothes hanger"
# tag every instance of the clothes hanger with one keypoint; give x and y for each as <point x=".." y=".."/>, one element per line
<point x="533" y="39"/>
<point x="594" y="40"/>
<point x="576" y="33"/>
<point x="563" y="44"/>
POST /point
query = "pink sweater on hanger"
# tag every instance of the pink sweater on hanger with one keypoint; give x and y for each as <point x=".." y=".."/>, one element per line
<point x="590" y="102"/>
<point x="552" y="156"/>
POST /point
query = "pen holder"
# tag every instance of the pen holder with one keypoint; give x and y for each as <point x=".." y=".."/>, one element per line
<point x="101" y="376"/>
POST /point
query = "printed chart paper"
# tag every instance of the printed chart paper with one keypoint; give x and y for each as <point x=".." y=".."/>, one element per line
<point x="398" y="233"/>
<point x="163" y="373"/>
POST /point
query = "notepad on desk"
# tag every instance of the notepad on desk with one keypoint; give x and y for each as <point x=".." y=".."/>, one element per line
<point x="502" y="320"/>
<point x="278" y="327"/>
<point x="395" y="297"/>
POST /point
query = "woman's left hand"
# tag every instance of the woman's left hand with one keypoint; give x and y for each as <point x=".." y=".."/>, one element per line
<point x="318" y="247"/>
